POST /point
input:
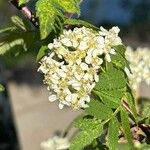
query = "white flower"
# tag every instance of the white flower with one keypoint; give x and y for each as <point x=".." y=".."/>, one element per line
<point x="52" y="98"/>
<point x="140" y="66"/>
<point x="111" y="39"/>
<point x="83" y="45"/>
<point x="66" y="42"/>
<point x="55" y="143"/>
<point x="72" y="67"/>
<point x="50" y="45"/>
<point x="61" y="105"/>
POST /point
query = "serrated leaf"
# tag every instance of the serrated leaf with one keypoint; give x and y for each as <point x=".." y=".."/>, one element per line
<point x="91" y="129"/>
<point x="70" y="6"/>
<point x="46" y="13"/>
<point x="78" y="22"/>
<point x="20" y="23"/>
<point x="16" y="41"/>
<point x="146" y="114"/>
<point x="113" y="95"/>
<point x="119" y="59"/>
<point x="41" y="52"/>
<point x="98" y="110"/>
<point x="113" y="131"/>
<point x="6" y="31"/>
<point x="51" y="14"/>
<point x="1" y="88"/>
<point x="131" y="102"/>
<point x="126" y="127"/>
<point x="111" y="98"/>
<point x="23" y="2"/>
<point x="112" y="78"/>
<point x="111" y="86"/>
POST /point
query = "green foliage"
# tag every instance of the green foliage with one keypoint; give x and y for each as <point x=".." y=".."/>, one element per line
<point x="78" y="22"/>
<point x="17" y="41"/>
<point x="1" y="88"/>
<point x="144" y="146"/>
<point x="131" y="102"/>
<point x="47" y="14"/>
<point x="146" y="114"/>
<point x="98" y="110"/>
<point x="70" y="6"/>
<point x="90" y="130"/>
<point x="18" y="38"/>
<point x="23" y="2"/>
<point x="41" y="52"/>
<point x="119" y="59"/>
<point x="111" y="78"/>
<point x="52" y="13"/>
<point x="113" y="132"/>
<point x="111" y="86"/>
<point x="105" y="115"/>
<point x="20" y="23"/>
<point x="112" y="89"/>
<point x="126" y="127"/>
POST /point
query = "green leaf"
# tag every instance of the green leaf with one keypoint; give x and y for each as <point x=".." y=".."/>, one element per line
<point x="46" y="13"/>
<point x="126" y="127"/>
<point x="51" y="14"/>
<point x="119" y="59"/>
<point x="113" y="131"/>
<point x="111" y="78"/>
<point x="131" y="102"/>
<point x="17" y="41"/>
<point x="1" y="88"/>
<point x="20" y="23"/>
<point x="41" y="52"/>
<point x="144" y="146"/>
<point x="90" y="130"/>
<point x="123" y="146"/>
<point x="70" y="6"/>
<point x="6" y="31"/>
<point x="23" y="2"/>
<point x="111" y="98"/>
<point x="111" y="86"/>
<point x="146" y="114"/>
<point x="98" y="110"/>
<point x="78" y="22"/>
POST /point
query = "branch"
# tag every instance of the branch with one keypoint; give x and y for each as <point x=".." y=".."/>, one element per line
<point x="26" y="12"/>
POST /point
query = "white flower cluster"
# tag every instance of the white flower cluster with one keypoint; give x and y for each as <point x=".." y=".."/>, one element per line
<point x="72" y="67"/>
<point x="56" y="143"/>
<point x="139" y="61"/>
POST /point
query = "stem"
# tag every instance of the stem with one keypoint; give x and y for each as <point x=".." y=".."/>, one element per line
<point x="65" y="132"/>
<point x="126" y="106"/>
<point x="114" y="114"/>
<point x="146" y="129"/>
<point x="26" y="12"/>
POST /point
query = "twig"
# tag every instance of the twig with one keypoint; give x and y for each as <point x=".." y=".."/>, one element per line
<point x="146" y="129"/>
<point x="26" y="12"/>
<point x="126" y="106"/>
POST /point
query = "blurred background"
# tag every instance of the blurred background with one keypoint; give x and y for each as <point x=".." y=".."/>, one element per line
<point x="32" y="118"/>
